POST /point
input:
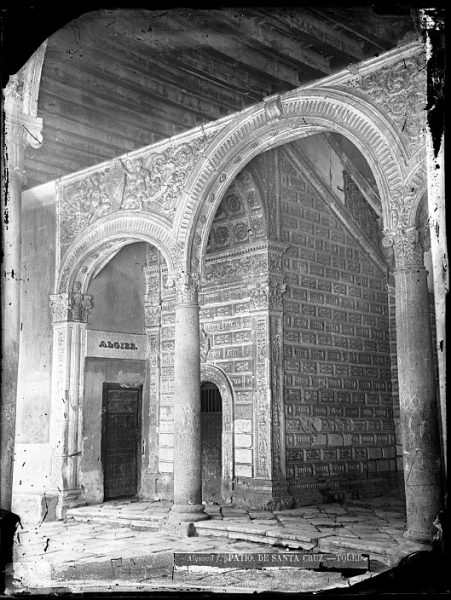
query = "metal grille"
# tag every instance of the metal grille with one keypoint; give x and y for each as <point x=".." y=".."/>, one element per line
<point x="210" y="399"/>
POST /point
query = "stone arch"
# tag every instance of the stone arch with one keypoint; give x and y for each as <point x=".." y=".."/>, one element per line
<point x="212" y="374"/>
<point x="99" y="242"/>
<point x="277" y="121"/>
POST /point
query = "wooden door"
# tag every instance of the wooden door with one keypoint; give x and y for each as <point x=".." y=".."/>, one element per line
<point x="121" y="438"/>
<point x="211" y="430"/>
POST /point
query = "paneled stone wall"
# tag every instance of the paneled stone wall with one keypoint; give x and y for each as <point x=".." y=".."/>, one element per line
<point x="338" y="401"/>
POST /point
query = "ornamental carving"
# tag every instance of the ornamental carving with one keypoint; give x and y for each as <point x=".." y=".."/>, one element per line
<point x="273" y="108"/>
<point x="262" y="404"/>
<point x="71" y="307"/>
<point x="267" y="296"/>
<point x="150" y="183"/>
<point x="239" y="266"/>
<point x="152" y="315"/>
<point x="204" y="344"/>
<point x="276" y="330"/>
<point x="407" y="247"/>
<point x="400" y="90"/>
<point x="186" y="288"/>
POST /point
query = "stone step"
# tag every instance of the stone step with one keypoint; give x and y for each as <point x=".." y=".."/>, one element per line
<point x="124" y="521"/>
<point x="255" y="534"/>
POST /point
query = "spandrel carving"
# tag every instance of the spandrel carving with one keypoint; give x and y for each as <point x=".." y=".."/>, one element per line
<point x="152" y="183"/>
<point x="400" y="90"/>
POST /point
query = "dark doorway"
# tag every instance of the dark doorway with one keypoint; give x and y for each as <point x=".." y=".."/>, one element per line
<point x="121" y="436"/>
<point x="211" y="430"/>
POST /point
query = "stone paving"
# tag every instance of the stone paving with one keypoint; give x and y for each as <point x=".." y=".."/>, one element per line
<point x="118" y="545"/>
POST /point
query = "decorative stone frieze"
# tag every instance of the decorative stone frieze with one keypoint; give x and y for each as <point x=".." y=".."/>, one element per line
<point x="151" y="182"/>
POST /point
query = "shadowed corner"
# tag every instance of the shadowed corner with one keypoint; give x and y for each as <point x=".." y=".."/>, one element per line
<point x="9" y="523"/>
<point x="422" y="572"/>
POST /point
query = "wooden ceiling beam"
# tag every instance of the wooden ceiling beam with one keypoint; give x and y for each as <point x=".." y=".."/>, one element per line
<point x="301" y="21"/>
<point x="254" y="32"/>
<point x="245" y="53"/>
<point x="355" y="28"/>
<point x="179" y="39"/>
<point x="136" y="88"/>
<point x="160" y="66"/>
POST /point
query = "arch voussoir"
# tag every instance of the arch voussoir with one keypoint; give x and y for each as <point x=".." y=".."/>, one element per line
<point x="107" y="236"/>
<point x="313" y="110"/>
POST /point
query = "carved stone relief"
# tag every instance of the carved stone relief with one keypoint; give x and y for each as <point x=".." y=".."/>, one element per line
<point x="151" y="183"/>
<point x="262" y="407"/>
<point x="400" y="90"/>
<point x="407" y="247"/>
<point x="276" y="343"/>
<point x="71" y="307"/>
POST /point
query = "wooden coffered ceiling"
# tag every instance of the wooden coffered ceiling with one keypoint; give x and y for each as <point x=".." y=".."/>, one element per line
<point x="114" y="80"/>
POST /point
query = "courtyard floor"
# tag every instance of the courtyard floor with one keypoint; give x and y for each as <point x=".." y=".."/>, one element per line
<point x="118" y="546"/>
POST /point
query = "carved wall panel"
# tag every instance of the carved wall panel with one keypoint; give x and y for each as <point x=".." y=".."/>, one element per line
<point x="400" y="90"/>
<point x="152" y="182"/>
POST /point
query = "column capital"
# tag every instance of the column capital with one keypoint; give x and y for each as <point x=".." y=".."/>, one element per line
<point x="407" y="247"/>
<point x="186" y="288"/>
<point x="73" y="306"/>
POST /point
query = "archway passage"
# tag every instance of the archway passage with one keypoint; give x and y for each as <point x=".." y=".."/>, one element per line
<point x="211" y="432"/>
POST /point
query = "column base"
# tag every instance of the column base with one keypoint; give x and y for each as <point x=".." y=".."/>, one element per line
<point x="34" y="507"/>
<point x="262" y="494"/>
<point x="417" y="536"/>
<point x="187" y="513"/>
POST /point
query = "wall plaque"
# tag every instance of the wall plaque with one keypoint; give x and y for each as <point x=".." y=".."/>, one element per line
<point x="111" y="344"/>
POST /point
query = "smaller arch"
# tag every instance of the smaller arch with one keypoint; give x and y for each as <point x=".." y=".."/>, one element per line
<point x="106" y="237"/>
<point x="212" y="374"/>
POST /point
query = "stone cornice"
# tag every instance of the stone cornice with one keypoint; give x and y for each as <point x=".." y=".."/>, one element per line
<point x="253" y="248"/>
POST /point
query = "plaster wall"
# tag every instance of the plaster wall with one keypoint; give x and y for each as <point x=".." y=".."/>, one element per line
<point x="32" y="451"/>
<point x="118" y="292"/>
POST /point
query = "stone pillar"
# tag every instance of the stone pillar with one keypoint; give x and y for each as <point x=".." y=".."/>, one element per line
<point x="69" y="316"/>
<point x="187" y="434"/>
<point x="20" y="129"/>
<point x="417" y="389"/>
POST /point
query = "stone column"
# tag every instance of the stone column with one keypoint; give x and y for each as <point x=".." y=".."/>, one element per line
<point x="417" y="389"/>
<point x="20" y="129"/>
<point x="69" y="316"/>
<point x="187" y="434"/>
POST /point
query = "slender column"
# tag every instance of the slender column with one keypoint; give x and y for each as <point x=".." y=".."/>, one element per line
<point x="69" y="316"/>
<point x="417" y="393"/>
<point x="187" y="434"/>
